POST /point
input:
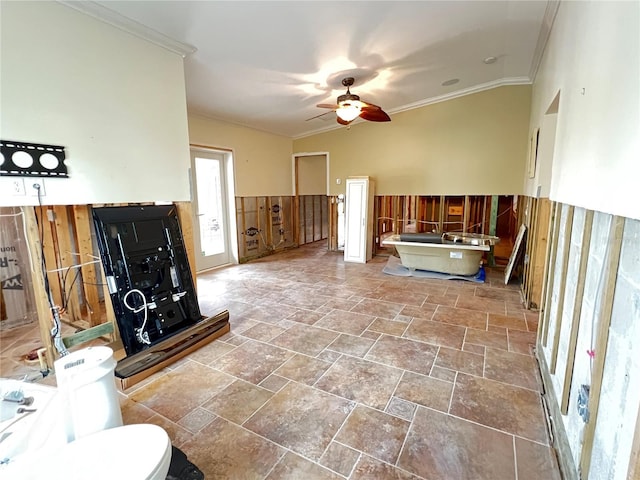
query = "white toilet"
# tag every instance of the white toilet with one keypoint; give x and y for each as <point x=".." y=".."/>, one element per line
<point x="84" y="411"/>
<point x="136" y="452"/>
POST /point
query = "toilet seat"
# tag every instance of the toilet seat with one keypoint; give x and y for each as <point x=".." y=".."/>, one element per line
<point x="136" y="452"/>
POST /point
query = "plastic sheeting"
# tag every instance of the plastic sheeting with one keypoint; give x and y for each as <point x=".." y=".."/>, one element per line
<point x="17" y="305"/>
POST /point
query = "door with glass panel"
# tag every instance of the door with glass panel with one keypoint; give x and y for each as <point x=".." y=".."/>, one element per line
<point x="210" y="209"/>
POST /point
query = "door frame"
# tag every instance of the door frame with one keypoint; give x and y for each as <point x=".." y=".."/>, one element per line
<point x="296" y="193"/>
<point x="230" y="184"/>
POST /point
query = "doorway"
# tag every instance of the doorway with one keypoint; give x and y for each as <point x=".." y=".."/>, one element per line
<point x="212" y="227"/>
<point x="311" y="205"/>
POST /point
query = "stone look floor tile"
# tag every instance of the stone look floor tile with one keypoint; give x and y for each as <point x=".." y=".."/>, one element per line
<point x="521" y="342"/>
<point x="305" y="339"/>
<point x="461" y="361"/>
<point x="224" y="451"/>
<point x="473" y="348"/>
<point x="443" y="374"/>
<point x="484" y="401"/>
<point x="340" y="458"/>
<point x="535" y="461"/>
<point x="345" y="322"/>
<point x="293" y="290"/>
<point x="390" y="327"/>
<point x="209" y="353"/>
<point x="371" y="469"/>
<point x="178" y="435"/>
<point x="351" y="345"/>
<point x="238" y="401"/>
<point x="442" y="447"/>
<point x="403" y="296"/>
<point x="303" y="369"/>
<point x="378" y="308"/>
<point x="513" y="368"/>
<point x="197" y="384"/>
<point x="305" y="316"/>
<point x="448" y="299"/>
<point x="509" y="296"/>
<point x="360" y="380"/>
<point x="460" y="316"/>
<point x="295" y="411"/>
<point x="425" y="391"/>
<point x="253" y="361"/>
<point x="425" y="312"/>
<point x="514" y="323"/>
<point x="294" y="467"/>
<point x="485" y="338"/>
<point x="403" y="353"/>
<point x="263" y="331"/>
<point x="328" y="355"/>
<point x="341" y="304"/>
<point x="374" y="433"/>
<point x="436" y="333"/>
<point x="274" y="382"/>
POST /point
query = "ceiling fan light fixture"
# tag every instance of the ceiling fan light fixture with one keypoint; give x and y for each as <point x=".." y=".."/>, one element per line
<point x="349" y="111"/>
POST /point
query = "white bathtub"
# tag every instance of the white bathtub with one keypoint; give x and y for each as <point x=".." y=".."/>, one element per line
<point x="448" y="257"/>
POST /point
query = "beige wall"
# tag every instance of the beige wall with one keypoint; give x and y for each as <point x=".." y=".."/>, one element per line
<point x="592" y="60"/>
<point x="115" y="101"/>
<point x="262" y="161"/>
<point x="312" y="175"/>
<point x="475" y="144"/>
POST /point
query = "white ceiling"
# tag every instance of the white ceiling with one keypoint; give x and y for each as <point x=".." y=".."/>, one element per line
<point x="266" y="64"/>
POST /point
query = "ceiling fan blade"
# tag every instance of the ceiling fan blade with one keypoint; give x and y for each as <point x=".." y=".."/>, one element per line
<point x="327" y="105"/>
<point x="318" y="116"/>
<point x="374" y="113"/>
<point x="341" y="121"/>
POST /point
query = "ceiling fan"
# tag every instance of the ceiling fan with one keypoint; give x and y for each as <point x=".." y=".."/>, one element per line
<point x="350" y="107"/>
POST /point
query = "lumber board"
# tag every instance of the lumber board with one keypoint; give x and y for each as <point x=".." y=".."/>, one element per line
<point x="185" y="216"/>
<point x="82" y="217"/>
<point x="87" y="335"/>
<point x="542" y="238"/>
<point x="551" y="271"/>
<point x="41" y="296"/>
<point x="634" y="459"/>
<point x="561" y="289"/>
<point x="585" y="241"/>
<point x="47" y="236"/>
<point x="612" y="259"/>
<point x="66" y="250"/>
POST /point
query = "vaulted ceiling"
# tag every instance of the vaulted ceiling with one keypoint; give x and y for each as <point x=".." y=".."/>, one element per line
<point x="266" y="64"/>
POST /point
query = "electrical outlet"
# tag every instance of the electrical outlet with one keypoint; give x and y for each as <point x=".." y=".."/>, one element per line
<point x="36" y="185"/>
<point x="17" y="186"/>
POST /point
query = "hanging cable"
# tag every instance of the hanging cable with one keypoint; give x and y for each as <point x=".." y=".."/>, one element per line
<point x="141" y="334"/>
<point x="55" y="310"/>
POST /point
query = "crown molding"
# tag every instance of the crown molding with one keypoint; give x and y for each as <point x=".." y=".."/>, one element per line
<point x="543" y="37"/>
<point x="464" y="92"/>
<point x="128" y="25"/>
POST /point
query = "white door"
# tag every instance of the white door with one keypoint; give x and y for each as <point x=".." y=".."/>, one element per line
<point x="355" y="244"/>
<point x="210" y="209"/>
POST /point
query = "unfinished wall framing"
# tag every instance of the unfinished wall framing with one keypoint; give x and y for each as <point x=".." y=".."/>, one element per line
<point x="63" y="235"/>
<point x="265" y="225"/>
<point x="590" y="320"/>
<point x="313" y="218"/>
<point x="491" y="215"/>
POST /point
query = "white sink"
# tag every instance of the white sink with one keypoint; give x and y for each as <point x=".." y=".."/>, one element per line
<point x="23" y="433"/>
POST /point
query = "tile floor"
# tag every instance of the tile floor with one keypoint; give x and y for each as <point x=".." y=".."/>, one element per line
<point x="335" y="371"/>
